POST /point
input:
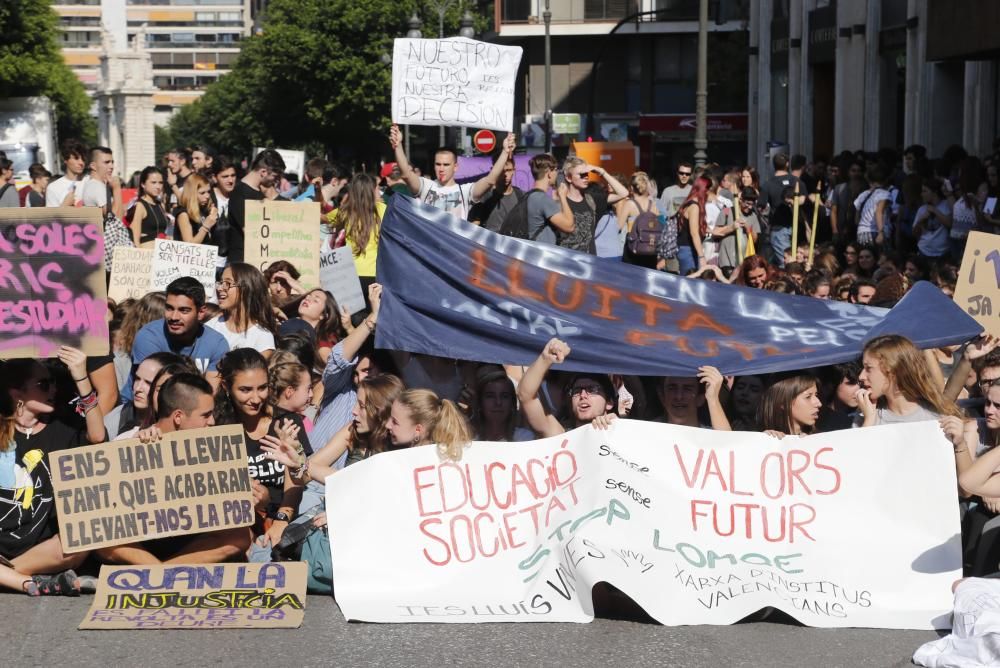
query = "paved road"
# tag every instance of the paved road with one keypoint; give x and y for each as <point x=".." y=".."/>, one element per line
<point x="42" y="632"/>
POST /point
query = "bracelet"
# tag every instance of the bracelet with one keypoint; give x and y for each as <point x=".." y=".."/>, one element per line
<point x="80" y="380"/>
<point x="958" y="452"/>
<point x="301" y="471"/>
<point x="86" y="403"/>
<point x="369" y="325"/>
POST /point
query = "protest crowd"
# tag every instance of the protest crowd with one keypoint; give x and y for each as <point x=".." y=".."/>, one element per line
<point x="302" y="376"/>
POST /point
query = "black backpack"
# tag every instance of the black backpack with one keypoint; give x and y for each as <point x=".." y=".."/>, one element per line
<point x="516" y="223"/>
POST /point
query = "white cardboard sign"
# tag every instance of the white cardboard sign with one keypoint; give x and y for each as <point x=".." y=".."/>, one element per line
<point x="176" y="259"/>
<point x="856" y="528"/>
<point x="339" y="276"/>
<point x="454" y="82"/>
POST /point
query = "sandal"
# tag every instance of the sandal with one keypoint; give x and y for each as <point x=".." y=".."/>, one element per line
<point x="46" y="585"/>
<point x="30" y="588"/>
<point x="69" y="583"/>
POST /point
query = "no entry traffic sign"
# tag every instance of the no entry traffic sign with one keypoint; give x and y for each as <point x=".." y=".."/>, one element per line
<point x="484" y="141"/>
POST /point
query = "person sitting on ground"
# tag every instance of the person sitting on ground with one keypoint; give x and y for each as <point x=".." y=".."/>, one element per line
<point x="180" y="332"/>
<point x="247" y="320"/>
<point x="242" y="398"/>
<point x="590" y="395"/>
<point x="898" y="385"/>
<point x="420" y="417"/>
<point x="127" y="416"/>
<point x="790" y="406"/>
<point x="494" y="411"/>
<point x="184" y="402"/>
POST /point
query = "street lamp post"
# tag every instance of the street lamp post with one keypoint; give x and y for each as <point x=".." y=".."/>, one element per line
<point x="701" y="92"/>
<point x="547" y="19"/>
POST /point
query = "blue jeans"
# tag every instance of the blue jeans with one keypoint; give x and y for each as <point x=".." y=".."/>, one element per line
<point x="781" y="241"/>
<point x="685" y="260"/>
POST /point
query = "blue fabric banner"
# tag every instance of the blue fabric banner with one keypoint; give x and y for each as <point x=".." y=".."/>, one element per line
<point x="455" y="290"/>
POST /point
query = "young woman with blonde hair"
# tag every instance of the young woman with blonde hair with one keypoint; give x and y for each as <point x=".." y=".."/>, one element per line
<point x="195" y="215"/>
<point x="360" y="217"/>
<point x="898" y="385"/>
<point x="419" y="417"/>
<point x="629" y="211"/>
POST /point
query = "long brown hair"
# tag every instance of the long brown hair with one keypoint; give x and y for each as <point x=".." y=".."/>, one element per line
<point x="903" y="363"/>
<point x="443" y="422"/>
<point x="380" y="392"/>
<point x="254" y="304"/>
<point x="775" y="409"/>
<point x="358" y="214"/>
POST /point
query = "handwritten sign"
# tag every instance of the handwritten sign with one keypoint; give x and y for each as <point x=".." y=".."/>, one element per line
<point x="52" y="290"/>
<point x="978" y="289"/>
<point x="455" y="81"/>
<point x="284" y="231"/>
<point x="696" y="526"/>
<point x="211" y="596"/>
<point x="126" y="491"/>
<point x="174" y="259"/>
<point x="339" y="276"/>
<point x="131" y="271"/>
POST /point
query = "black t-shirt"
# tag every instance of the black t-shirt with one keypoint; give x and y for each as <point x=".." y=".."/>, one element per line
<point x="237" y="218"/>
<point x="585" y="217"/>
<point x="771" y="191"/>
<point x="266" y="471"/>
<point x="195" y="225"/>
<point x="28" y="510"/>
<point x="684" y="228"/>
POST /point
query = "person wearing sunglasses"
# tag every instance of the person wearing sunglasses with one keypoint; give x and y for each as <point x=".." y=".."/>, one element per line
<point x="28" y="530"/>
<point x="588" y="395"/>
<point x="673" y="196"/>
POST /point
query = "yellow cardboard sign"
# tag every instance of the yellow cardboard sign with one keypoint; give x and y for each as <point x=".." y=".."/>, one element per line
<point x="284" y="231"/>
<point x="978" y="289"/>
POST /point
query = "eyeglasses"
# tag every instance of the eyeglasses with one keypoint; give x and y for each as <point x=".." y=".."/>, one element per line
<point x="226" y="285"/>
<point x="577" y="390"/>
<point x="679" y="173"/>
<point x="581" y="175"/>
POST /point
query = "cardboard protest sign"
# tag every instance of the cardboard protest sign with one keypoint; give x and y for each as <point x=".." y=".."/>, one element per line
<point x="696" y="526"/>
<point x="978" y="289"/>
<point x="284" y="231"/>
<point x="339" y="276"/>
<point x="210" y="596"/>
<point x="126" y="491"/>
<point x="456" y="290"/>
<point x="131" y="272"/>
<point x="455" y="81"/>
<point x="52" y="290"/>
<point x="174" y="259"/>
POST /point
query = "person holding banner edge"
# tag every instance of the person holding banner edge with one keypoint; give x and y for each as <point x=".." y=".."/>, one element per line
<point x="445" y="193"/>
<point x="184" y="402"/>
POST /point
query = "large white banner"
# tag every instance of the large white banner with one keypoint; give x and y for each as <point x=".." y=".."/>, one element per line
<point x="848" y="529"/>
<point x="455" y="81"/>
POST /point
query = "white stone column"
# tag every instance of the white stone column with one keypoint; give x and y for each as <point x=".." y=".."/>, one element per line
<point x="872" y="68"/>
<point x="763" y="119"/>
<point x="980" y="106"/>
<point x="796" y="92"/>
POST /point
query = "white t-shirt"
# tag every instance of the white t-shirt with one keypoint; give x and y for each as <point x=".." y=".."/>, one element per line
<point x="455" y="199"/>
<point x="868" y="202"/>
<point x="58" y="189"/>
<point x="934" y="241"/>
<point x="963" y="219"/>
<point x="255" y="337"/>
<point x="95" y="193"/>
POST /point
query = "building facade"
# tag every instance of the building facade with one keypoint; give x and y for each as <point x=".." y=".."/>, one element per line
<point x="630" y="68"/>
<point x="191" y="42"/>
<point x="833" y="75"/>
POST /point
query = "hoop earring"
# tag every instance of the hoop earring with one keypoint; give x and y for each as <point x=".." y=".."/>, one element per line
<point x="20" y="408"/>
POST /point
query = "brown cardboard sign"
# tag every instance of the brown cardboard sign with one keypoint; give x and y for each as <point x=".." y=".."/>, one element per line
<point x="978" y="289"/>
<point x="125" y="492"/>
<point x="131" y="273"/>
<point x="284" y="231"/>
<point x="52" y="290"/>
<point x="202" y="596"/>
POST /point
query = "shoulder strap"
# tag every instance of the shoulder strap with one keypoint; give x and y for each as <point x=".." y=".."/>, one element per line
<point x="591" y="203"/>
<point x="3" y="191"/>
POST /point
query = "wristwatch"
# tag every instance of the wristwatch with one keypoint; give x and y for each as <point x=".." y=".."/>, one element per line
<point x="281" y="516"/>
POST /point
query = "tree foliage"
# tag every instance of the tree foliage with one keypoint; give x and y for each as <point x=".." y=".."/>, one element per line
<point x="32" y="64"/>
<point x="316" y="73"/>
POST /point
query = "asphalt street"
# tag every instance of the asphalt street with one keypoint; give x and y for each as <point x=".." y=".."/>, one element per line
<point x="42" y="632"/>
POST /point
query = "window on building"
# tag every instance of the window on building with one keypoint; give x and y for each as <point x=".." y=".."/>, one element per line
<point x="594" y="10"/>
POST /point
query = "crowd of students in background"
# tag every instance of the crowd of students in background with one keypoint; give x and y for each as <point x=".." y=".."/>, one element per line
<point x="302" y="377"/>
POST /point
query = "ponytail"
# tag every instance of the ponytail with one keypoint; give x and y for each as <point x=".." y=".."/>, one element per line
<point x="451" y="433"/>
